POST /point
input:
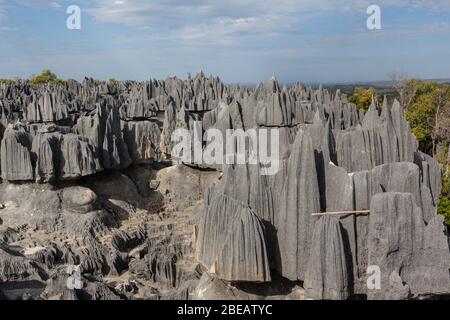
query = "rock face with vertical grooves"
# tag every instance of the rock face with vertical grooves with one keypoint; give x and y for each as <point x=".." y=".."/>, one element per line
<point x="15" y="155"/>
<point x="46" y="108"/>
<point x="59" y="156"/>
<point x="299" y="199"/>
<point x="428" y="274"/>
<point x="114" y="150"/>
<point x="393" y="233"/>
<point x="413" y="257"/>
<point x="327" y="273"/>
<point x="76" y="158"/>
<point x="359" y="150"/>
<point x="143" y="141"/>
<point x="45" y="150"/>
<point x="231" y="242"/>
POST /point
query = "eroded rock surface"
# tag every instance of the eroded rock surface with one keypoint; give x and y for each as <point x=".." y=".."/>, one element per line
<point x="94" y="206"/>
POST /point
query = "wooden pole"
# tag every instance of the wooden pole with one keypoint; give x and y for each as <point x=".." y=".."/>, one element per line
<point x="340" y="213"/>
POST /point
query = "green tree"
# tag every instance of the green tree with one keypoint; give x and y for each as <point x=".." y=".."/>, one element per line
<point x="419" y="115"/>
<point x="362" y="98"/>
<point x="428" y="113"/>
<point x="45" y="77"/>
<point x="444" y="200"/>
<point x="9" y="80"/>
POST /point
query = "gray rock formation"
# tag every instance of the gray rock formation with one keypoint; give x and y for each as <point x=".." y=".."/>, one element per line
<point x="77" y="158"/>
<point x="114" y="150"/>
<point x="231" y="242"/>
<point x="46" y="108"/>
<point x="89" y="181"/>
<point x="412" y="258"/>
<point x="15" y="155"/>
<point x="299" y="198"/>
<point x="14" y="266"/>
<point x="143" y="141"/>
<point x="327" y="273"/>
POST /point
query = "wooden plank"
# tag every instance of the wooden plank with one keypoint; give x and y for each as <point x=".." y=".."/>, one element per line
<point x="340" y="213"/>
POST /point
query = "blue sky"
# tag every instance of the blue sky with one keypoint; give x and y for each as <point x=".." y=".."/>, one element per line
<point x="238" y="40"/>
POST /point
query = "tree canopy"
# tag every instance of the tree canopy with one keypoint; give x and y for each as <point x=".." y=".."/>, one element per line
<point x="429" y="115"/>
<point x="46" y="76"/>
<point x="362" y="98"/>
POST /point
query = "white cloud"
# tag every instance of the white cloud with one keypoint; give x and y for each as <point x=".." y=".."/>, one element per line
<point x="228" y="21"/>
<point x="207" y="21"/>
<point x="145" y="12"/>
<point x="52" y="4"/>
<point x="229" y="30"/>
<point x="55" y="5"/>
<point x="184" y="12"/>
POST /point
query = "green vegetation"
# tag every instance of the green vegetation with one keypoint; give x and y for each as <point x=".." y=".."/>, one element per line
<point x="362" y="98"/>
<point x="9" y="80"/>
<point x="46" y="77"/>
<point x="419" y="114"/>
<point x="428" y="112"/>
<point x="444" y="201"/>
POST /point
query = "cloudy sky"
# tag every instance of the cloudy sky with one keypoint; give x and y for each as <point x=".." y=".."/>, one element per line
<point x="238" y="40"/>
